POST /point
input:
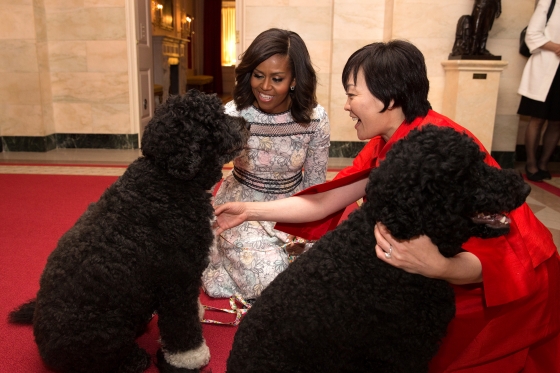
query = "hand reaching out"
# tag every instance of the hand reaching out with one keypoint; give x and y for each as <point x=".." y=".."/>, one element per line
<point x="229" y="215"/>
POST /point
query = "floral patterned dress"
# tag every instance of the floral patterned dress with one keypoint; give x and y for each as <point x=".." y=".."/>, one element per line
<point x="282" y="158"/>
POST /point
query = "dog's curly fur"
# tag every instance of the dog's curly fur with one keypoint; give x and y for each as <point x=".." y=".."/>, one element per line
<point x="338" y="308"/>
<point x="140" y="249"/>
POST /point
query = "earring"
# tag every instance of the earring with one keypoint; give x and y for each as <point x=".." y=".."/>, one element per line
<point x="292" y="88"/>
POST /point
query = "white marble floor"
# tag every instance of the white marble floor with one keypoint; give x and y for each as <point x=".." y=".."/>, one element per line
<point x="545" y="205"/>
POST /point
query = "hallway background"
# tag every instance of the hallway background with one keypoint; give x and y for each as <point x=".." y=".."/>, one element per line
<point x="67" y="66"/>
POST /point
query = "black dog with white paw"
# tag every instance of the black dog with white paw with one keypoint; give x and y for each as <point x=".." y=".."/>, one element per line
<point x="141" y="249"/>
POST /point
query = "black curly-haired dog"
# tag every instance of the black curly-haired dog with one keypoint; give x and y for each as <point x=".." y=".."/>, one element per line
<point x="338" y="308"/>
<point x="140" y="249"/>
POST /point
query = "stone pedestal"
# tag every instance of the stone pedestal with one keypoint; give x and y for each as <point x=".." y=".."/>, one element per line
<point x="471" y="95"/>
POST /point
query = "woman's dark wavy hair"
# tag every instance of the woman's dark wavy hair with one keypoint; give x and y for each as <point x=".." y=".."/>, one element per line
<point x="286" y="43"/>
<point x="395" y="70"/>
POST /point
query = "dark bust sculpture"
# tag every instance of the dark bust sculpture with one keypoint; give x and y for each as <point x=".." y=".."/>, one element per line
<point x="472" y="31"/>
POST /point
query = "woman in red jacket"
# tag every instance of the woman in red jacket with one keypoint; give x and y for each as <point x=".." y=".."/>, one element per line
<point x="507" y="288"/>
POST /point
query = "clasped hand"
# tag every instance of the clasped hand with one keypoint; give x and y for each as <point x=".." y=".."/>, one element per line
<point x="417" y="255"/>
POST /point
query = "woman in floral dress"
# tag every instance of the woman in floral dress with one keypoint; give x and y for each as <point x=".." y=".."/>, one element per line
<point x="286" y="153"/>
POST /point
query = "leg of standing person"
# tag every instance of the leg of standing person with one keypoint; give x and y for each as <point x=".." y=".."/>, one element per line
<point x="532" y="139"/>
<point x="551" y="137"/>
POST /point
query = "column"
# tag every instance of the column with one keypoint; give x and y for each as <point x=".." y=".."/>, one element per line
<point x="471" y="95"/>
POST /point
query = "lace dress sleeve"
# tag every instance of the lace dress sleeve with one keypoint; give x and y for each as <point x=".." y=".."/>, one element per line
<point x="316" y="160"/>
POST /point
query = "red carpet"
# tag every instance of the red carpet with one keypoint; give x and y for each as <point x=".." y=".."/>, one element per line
<point x="35" y="210"/>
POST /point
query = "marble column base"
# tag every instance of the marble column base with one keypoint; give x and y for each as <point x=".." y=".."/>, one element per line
<point x="505" y="159"/>
<point x="349" y="149"/>
<point x="345" y="149"/>
<point x="66" y="141"/>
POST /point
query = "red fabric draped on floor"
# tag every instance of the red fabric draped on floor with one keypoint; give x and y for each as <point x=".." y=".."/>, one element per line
<point x="35" y="211"/>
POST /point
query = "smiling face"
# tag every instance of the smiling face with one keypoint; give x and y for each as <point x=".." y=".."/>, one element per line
<point x="271" y="82"/>
<point x="365" y="109"/>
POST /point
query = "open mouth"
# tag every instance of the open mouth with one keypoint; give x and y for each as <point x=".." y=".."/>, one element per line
<point x="492" y="220"/>
<point x="264" y="97"/>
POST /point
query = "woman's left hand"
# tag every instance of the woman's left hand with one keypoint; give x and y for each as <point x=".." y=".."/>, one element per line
<point x="417" y="255"/>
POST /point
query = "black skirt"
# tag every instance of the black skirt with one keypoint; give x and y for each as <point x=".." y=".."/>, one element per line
<point x="550" y="109"/>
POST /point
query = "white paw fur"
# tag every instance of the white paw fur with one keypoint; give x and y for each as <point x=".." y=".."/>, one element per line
<point x="191" y="359"/>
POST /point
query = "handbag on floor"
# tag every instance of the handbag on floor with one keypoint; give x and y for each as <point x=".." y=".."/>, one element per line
<point x="523" y="48"/>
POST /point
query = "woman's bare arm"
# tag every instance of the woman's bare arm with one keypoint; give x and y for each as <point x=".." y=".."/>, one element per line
<point x="298" y="209"/>
<point x="553" y="47"/>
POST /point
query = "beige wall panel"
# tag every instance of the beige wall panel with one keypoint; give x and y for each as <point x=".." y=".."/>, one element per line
<point x="90" y="87"/>
<point x="68" y="56"/>
<point x="110" y="118"/>
<point x="320" y="52"/>
<point x="328" y="3"/>
<point x="358" y="21"/>
<point x="296" y="19"/>
<point x="86" y="24"/>
<point x="106" y="56"/>
<point x="64" y="4"/>
<point x="104" y="3"/>
<point x="266" y="3"/>
<point x="73" y="117"/>
<point x="17" y="20"/>
<point x="323" y="83"/>
<point x="21" y="120"/>
<point x="20" y="88"/>
<point x="18" y="56"/>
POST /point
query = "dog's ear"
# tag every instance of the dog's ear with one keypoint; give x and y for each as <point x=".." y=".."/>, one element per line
<point x="178" y="134"/>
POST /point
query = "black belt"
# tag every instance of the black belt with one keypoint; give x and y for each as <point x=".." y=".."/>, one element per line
<point x="272" y="186"/>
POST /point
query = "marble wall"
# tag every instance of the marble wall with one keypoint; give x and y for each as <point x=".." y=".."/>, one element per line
<point x="333" y="29"/>
<point x="63" y="68"/>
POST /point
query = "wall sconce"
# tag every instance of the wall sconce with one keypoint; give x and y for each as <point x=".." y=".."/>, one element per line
<point x="159" y="13"/>
<point x="187" y="27"/>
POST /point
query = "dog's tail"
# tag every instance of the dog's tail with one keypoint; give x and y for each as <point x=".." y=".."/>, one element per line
<point x="23" y="314"/>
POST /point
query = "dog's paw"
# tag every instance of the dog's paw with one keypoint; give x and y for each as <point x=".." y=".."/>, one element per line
<point x="165" y="367"/>
<point x="183" y="362"/>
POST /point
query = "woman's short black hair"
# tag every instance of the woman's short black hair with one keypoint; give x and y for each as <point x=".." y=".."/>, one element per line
<point x="396" y="71"/>
<point x="285" y="43"/>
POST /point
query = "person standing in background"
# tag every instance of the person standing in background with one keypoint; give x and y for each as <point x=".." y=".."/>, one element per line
<point x="540" y="89"/>
<point x="287" y="152"/>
